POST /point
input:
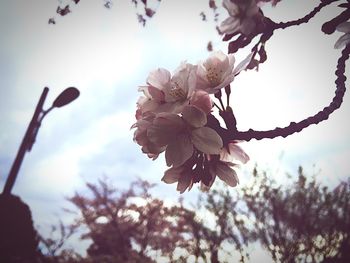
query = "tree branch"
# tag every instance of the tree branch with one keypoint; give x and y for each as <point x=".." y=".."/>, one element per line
<point x="306" y="18"/>
<point x="315" y="119"/>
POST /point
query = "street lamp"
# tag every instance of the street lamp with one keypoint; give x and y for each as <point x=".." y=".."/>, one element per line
<point x="67" y="96"/>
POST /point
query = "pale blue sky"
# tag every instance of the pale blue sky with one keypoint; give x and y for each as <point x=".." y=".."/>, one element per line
<point x="107" y="55"/>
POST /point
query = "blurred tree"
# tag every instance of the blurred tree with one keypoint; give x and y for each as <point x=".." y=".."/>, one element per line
<point x="303" y="222"/>
<point x="125" y="226"/>
<point x="52" y="246"/>
<point x="298" y="222"/>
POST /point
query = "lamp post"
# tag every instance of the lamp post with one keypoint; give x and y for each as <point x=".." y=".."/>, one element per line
<point x="67" y="96"/>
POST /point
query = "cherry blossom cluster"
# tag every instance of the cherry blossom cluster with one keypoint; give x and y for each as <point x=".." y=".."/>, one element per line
<point x="176" y="115"/>
<point x="173" y="117"/>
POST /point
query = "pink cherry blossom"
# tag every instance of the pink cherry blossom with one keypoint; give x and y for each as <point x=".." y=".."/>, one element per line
<point x="243" y="16"/>
<point x="182" y="136"/>
<point x="201" y="100"/>
<point x="172" y="118"/>
<point x="225" y="172"/>
<point x="216" y="72"/>
<point x="185" y="175"/>
<point x="205" y="168"/>
<point x="233" y="153"/>
<point x="141" y="138"/>
<point x="166" y="93"/>
<point x="181" y="175"/>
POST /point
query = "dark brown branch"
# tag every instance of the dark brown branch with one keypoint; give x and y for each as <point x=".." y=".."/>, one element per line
<point x="330" y="26"/>
<point x="305" y="19"/>
<point x="267" y="27"/>
<point x="315" y="119"/>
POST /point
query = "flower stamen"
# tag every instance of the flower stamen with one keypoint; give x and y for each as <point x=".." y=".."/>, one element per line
<point x="214" y="77"/>
<point x="177" y="93"/>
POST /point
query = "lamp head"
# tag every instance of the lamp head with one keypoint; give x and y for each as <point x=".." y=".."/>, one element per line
<point x="66" y="97"/>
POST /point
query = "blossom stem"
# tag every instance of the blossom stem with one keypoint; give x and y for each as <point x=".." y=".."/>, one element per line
<point x="229" y="119"/>
<point x="218" y="107"/>
<point x="228" y="93"/>
<point x="221" y="103"/>
<point x="218" y="95"/>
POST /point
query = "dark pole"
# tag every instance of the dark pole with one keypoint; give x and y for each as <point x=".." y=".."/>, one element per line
<point x="26" y="144"/>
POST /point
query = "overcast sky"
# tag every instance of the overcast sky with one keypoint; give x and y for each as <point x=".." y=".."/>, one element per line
<point x="107" y="54"/>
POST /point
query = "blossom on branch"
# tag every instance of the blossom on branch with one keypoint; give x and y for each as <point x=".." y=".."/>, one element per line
<point x="218" y="71"/>
<point x="140" y="136"/>
<point x="244" y="17"/>
<point x="164" y="93"/>
<point x="344" y="39"/>
<point x="184" y="135"/>
<point x="233" y="153"/>
<point x="172" y="117"/>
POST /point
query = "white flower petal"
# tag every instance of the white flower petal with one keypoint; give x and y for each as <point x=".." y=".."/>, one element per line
<point x="156" y="94"/>
<point x="194" y="116"/>
<point x="159" y="78"/>
<point x="344" y="27"/>
<point x="149" y="106"/>
<point x="164" y="128"/>
<point x="223" y="84"/>
<point x="207" y="140"/>
<point x="179" y="151"/>
<point x="184" y="182"/>
<point x="172" y="175"/>
<point x="227" y="174"/>
<point x="201" y="100"/>
<point x="243" y="64"/>
<point x="231" y="7"/>
<point x="233" y="154"/>
<point x="229" y="26"/>
<point x="342" y="41"/>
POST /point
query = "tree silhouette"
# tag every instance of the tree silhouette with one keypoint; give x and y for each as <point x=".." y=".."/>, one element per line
<point x="297" y="222"/>
<point x="302" y="222"/>
<point x="125" y="225"/>
<point x="18" y="238"/>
